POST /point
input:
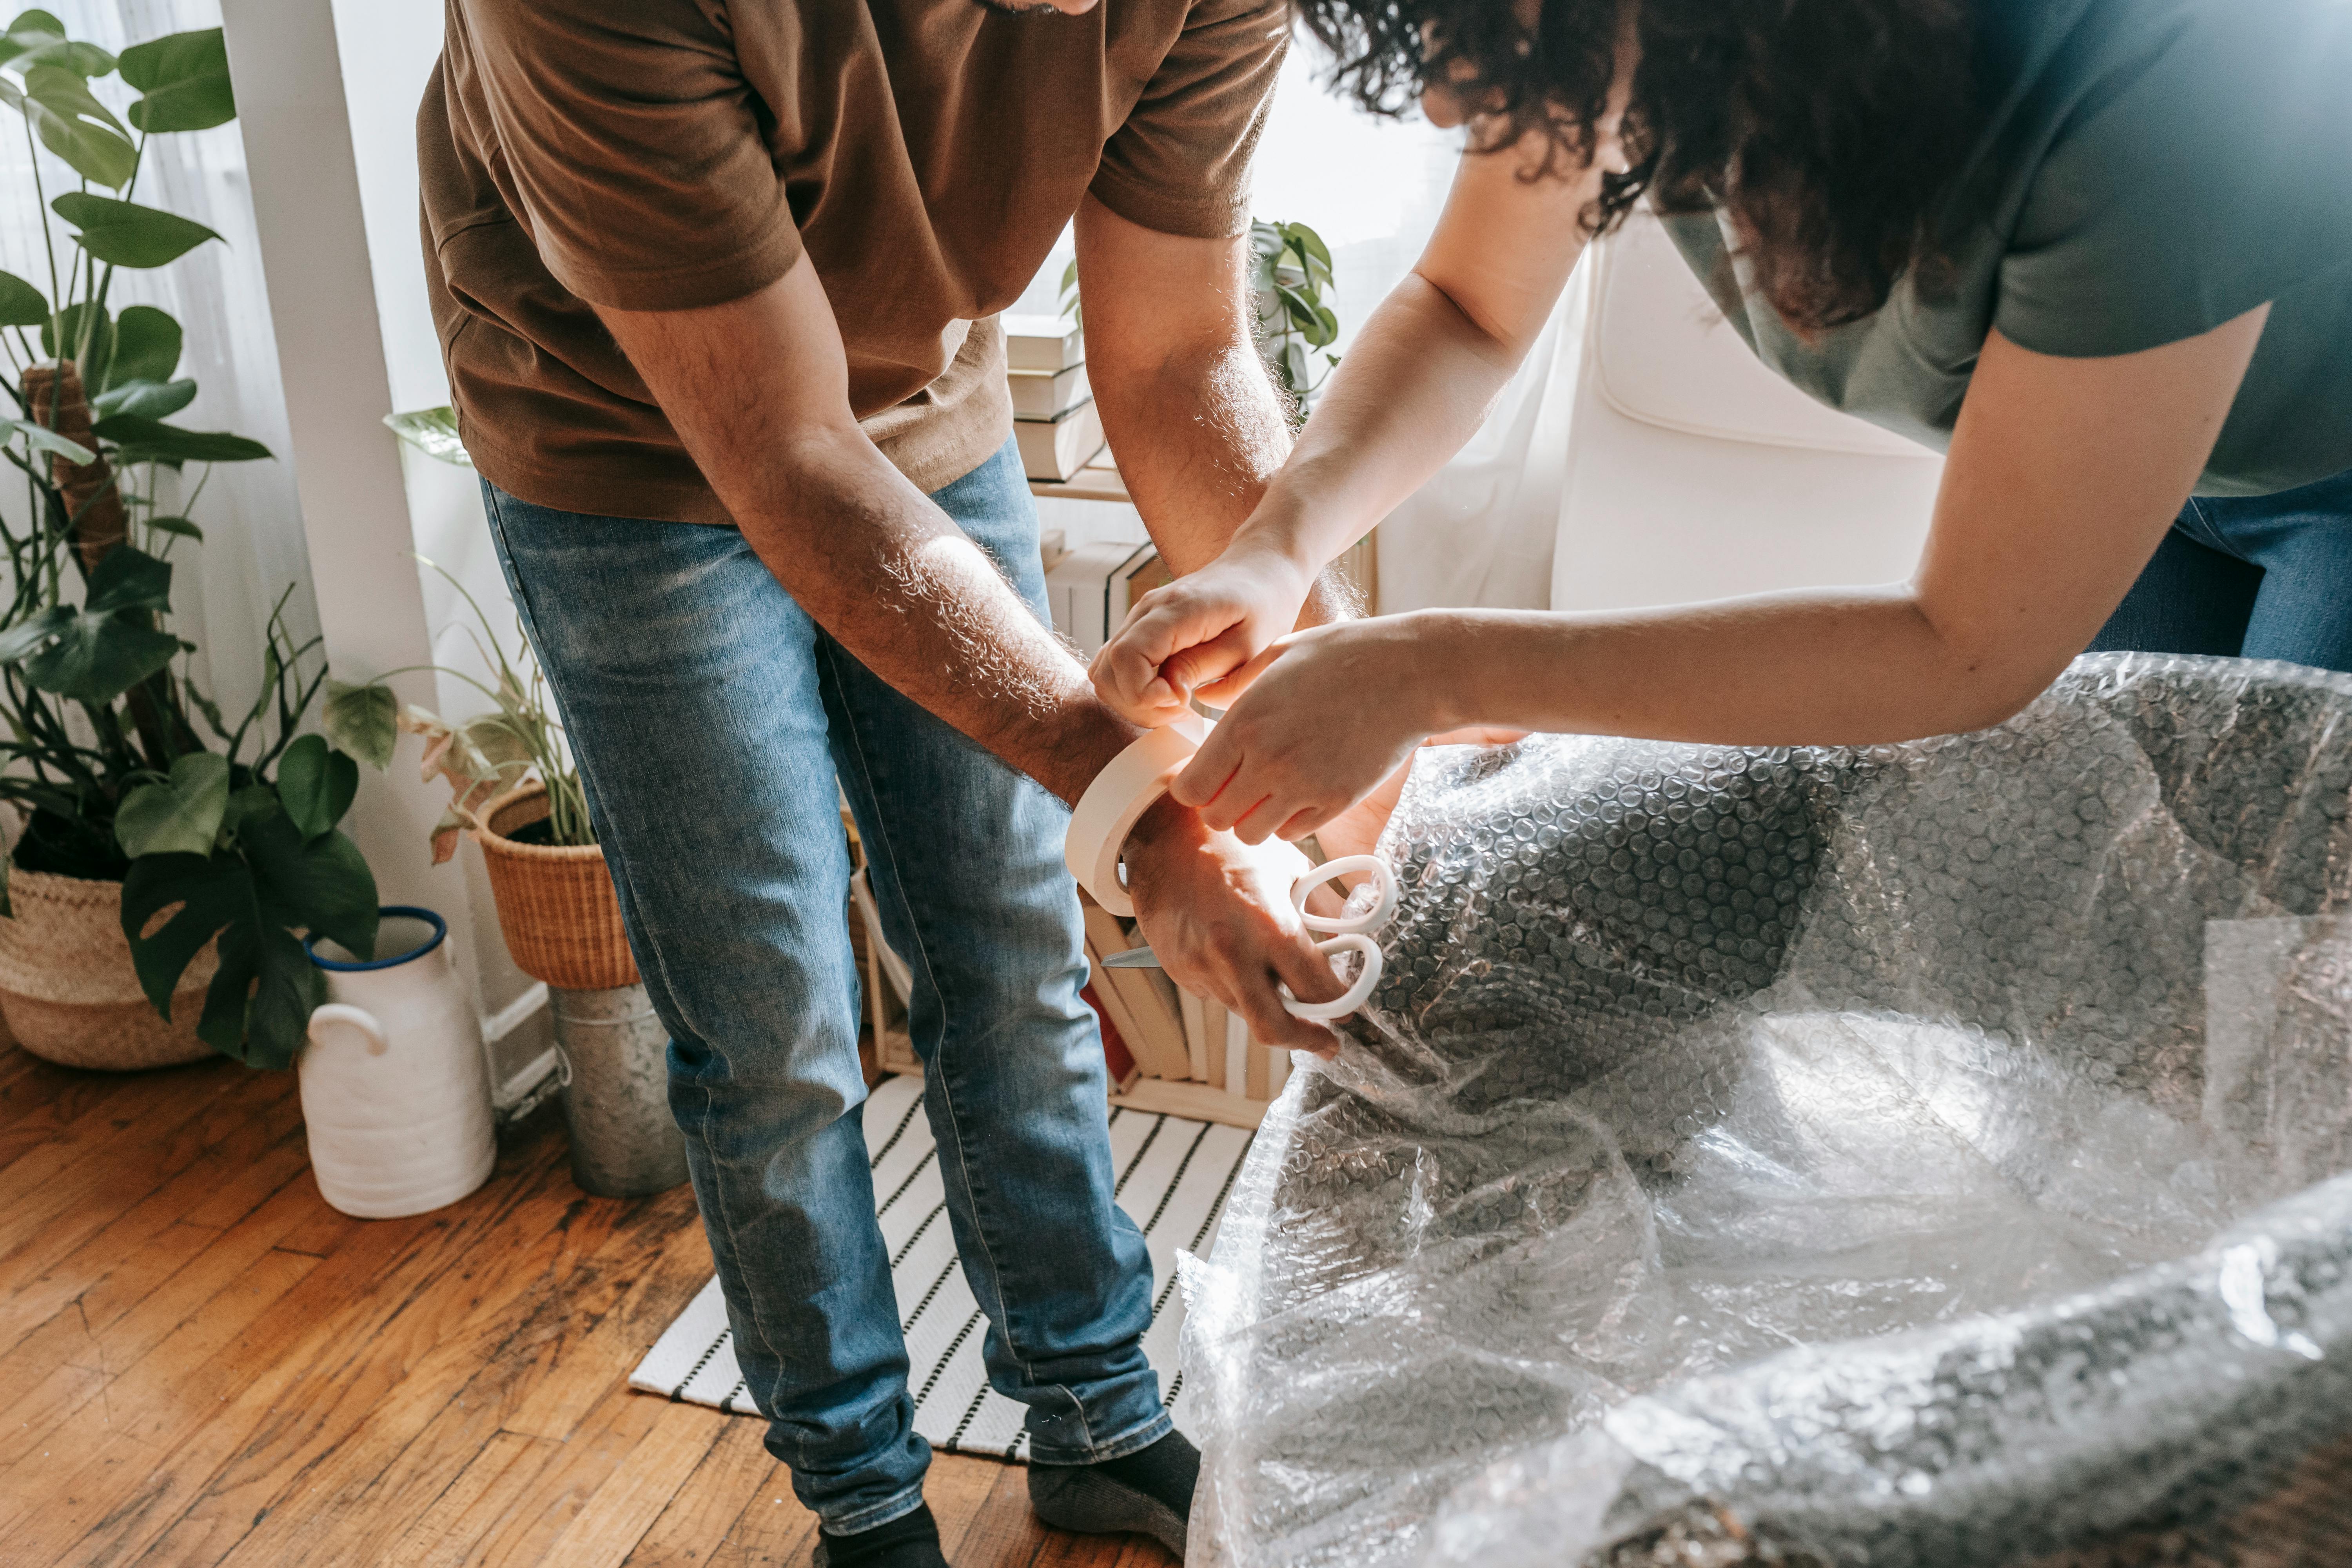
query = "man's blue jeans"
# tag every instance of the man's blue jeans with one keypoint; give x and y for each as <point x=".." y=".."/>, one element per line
<point x="2249" y="577"/>
<point x="711" y="718"/>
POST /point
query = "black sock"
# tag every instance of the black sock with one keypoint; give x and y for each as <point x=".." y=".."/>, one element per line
<point x="910" y="1540"/>
<point x="1147" y="1492"/>
<point x="1166" y="1471"/>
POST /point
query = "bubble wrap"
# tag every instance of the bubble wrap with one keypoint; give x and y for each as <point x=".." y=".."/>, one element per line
<point x="1921" y="1156"/>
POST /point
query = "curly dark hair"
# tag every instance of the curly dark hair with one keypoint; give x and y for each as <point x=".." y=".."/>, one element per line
<point x="1831" y="131"/>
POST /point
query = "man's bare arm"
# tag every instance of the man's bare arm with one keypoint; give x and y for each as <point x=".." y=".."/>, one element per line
<point x="758" y="391"/>
<point x="1186" y="399"/>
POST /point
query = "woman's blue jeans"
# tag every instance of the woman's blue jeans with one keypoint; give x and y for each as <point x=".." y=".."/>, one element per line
<point x="711" y="718"/>
<point x="2248" y="576"/>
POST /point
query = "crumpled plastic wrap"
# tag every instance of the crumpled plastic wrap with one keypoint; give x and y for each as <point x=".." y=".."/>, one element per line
<point x="1910" y="1156"/>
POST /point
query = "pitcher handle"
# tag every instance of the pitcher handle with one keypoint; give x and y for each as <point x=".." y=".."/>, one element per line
<point x="358" y="1018"/>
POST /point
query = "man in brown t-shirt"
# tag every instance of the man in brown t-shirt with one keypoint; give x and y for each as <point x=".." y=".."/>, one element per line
<point x="716" y="282"/>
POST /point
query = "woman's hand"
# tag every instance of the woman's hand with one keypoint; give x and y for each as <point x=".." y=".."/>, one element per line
<point x="1331" y="712"/>
<point x="1188" y="637"/>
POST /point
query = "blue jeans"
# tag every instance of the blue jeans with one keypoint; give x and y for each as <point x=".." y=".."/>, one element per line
<point x="2248" y="576"/>
<point x="711" y="718"/>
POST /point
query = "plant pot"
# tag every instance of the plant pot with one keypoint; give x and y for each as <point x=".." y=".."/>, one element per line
<point x="612" y="1056"/>
<point x="68" y="989"/>
<point x="556" y="902"/>
<point x="395" y="1089"/>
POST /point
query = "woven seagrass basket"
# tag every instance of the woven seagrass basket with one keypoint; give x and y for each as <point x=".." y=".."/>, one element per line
<point x="556" y="902"/>
<point x="66" y="986"/>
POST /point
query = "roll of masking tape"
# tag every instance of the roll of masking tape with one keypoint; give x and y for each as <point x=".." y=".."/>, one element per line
<point x="1111" y="806"/>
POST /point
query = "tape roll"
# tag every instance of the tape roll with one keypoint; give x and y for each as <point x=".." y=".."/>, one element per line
<point x="1110" y="808"/>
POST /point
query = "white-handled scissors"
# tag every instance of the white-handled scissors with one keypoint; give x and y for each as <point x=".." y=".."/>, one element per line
<point x="1350" y="933"/>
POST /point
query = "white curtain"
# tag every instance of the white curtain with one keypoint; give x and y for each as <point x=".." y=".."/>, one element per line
<point x="253" y="549"/>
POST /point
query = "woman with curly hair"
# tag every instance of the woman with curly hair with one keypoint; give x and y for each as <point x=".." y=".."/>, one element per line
<point x="2100" y="251"/>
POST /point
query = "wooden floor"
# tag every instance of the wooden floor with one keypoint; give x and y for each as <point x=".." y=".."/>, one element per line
<point x="201" y="1362"/>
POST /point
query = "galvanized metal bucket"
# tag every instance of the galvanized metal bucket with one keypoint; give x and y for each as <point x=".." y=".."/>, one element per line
<point x="612" y="1061"/>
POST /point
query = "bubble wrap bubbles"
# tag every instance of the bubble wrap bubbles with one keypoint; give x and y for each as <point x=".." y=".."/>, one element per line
<point x="1924" y="1156"/>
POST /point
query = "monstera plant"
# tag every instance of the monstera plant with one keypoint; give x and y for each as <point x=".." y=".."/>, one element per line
<point x="220" y="830"/>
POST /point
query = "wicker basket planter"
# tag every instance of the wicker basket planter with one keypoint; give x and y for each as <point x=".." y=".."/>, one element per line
<point x="556" y="903"/>
<point x="66" y="986"/>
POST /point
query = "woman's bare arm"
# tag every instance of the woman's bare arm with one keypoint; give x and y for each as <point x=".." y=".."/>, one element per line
<point x="2064" y="476"/>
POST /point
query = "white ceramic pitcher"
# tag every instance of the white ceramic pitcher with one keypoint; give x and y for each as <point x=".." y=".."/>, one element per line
<point x="396" y="1089"/>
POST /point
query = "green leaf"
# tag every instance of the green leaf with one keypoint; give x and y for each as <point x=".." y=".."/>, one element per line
<point x="36" y="38"/>
<point x="182" y="817"/>
<point x="213" y="891"/>
<point x="40" y="438"/>
<point x="320" y="885"/>
<point x="144" y="399"/>
<point x="96" y="653"/>
<point x="127" y="233"/>
<point x="61" y="337"/>
<point x="180" y="526"/>
<point x="21" y="304"/>
<point x="151" y="440"/>
<point x="77" y="127"/>
<point x="254" y="899"/>
<point x="130" y="579"/>
<point x="146" y="345"/>
<point x="363" y="720"/>
<point x="434" y="432"/>
<point x="184" y="77"/>
<point x="316" y="785"/>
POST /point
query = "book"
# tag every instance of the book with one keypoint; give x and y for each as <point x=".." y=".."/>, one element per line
<point x="1154" y="1036"/>
<point x="1041" y="395"/>
<point x="1054" y="449"/>
<point x="1043" y="342"/>
<point x="1090" y="589"/>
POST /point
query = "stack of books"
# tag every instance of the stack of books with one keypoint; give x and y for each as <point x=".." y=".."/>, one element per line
<point x="1053" y="414"/>
<point x="1090" y="589"/>
<point x="1190" y="1057"/>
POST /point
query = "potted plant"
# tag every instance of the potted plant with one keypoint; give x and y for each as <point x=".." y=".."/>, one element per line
<point x="514" y="786"/>
<point x="154" y="897"/>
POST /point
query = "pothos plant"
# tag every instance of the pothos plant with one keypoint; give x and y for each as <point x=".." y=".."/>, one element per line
<point x="1291" y="269"/>
<point x="226" y="831"/>
<point x="1296" y="323"/>
<point x="483" y="757"/>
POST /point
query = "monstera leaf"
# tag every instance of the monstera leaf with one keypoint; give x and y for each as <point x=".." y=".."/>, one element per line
<point x="58" y="103"/>
<point x="252" y="896"/>
<point x="184" y="77"/>
<point x="21" y="304"/>
<point x="316" y="785"/>
<point x="181" y="816"/>
<point x="144" y="440"/>
<point x="97" y="651"/>
<point x="146" y="346"/>
<point x="144" y="399"/>
<point x="127" y="233"/>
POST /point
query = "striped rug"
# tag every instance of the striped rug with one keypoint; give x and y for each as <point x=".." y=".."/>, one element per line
<point x="1173" y="1179"/>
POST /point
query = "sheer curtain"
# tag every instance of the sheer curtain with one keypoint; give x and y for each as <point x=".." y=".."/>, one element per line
<point x="253" y="550"/>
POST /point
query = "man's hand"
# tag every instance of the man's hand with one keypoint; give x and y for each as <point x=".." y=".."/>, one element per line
<point x="1219" y="915"/>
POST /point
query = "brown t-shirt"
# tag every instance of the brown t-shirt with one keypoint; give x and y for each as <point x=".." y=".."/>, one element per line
<point x="663" y="154"/>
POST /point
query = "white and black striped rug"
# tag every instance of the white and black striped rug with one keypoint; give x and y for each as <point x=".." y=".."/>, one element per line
<point x="1173" y="1178"/>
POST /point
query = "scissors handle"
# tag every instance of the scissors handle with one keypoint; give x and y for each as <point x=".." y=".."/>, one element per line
<point x="1372" y="919"/>
<point x="1350" y="933"/>
<point x="1357" y="995"/>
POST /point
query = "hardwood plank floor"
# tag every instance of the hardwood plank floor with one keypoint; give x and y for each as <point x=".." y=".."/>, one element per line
<point x="203" y="1364"/>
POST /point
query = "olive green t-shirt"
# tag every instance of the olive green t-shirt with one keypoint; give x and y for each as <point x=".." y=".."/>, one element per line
<point x="2153" y="169"/>
<point x="924" y="154"/>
